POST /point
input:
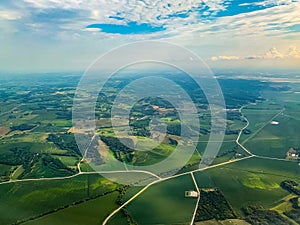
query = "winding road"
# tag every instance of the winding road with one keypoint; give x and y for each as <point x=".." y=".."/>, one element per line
<point x="160" y="179"/>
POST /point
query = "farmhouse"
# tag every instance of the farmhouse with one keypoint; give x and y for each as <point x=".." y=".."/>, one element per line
<point x="292" y="154"/>
<point x="191" y="194"/>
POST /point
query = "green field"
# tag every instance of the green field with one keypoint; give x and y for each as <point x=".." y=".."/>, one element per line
<point x="5" y="171"/>
<point x="24" y="200"/>
<point x="92" y="212"/>
<point x="68" y="160"/>
<point x="272" y="141"/>
<point x="164" y="203"/>
<point x="252" y="181"/>
<point x="46" y="148"/>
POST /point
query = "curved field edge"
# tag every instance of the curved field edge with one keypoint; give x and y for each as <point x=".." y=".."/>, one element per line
<point x="251" y="181"/>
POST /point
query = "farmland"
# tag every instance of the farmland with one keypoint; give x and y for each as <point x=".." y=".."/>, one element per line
<point x="169" y="195"/>
<point x="46" y="180"/>
<point x="22" y="201"/>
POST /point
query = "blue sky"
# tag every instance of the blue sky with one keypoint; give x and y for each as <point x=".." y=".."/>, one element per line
<point x="70" y="34"/>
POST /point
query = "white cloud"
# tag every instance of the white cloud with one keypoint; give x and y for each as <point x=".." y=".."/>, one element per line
<point x="293" y="52"/>
<point x="10" y="15"/>
<point x="228" y="57"/>
<point x="231" y="38"/>
<point x="273" y="53"/>
<point x="91" y="29"/>
<point x="224" y="57"/>
<point x="272" y="21"/>
<point x="214" y="58"/>
<point x="150" y="11"/>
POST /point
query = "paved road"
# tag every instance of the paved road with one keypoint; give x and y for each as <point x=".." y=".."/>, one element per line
<point x="251" y="155"/>
<point x="159" y="179"/>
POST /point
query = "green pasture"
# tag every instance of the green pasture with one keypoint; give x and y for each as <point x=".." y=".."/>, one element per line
<point x="164" y="203"/>
<point x="92" y="212"/>
<point x="251" y="181"/>
<point x="24" y="200"/>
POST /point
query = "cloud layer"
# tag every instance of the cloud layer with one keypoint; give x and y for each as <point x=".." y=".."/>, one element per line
<point x="219" y="30"/>
<point x="273" y="53"/>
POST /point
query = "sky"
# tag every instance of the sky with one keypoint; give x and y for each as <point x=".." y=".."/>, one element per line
<point x="68" y="35"/>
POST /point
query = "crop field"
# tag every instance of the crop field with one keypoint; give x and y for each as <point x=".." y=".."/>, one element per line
<point x="37" y="143"/>
<point x="169" y="196"/>
<point x="258" y="119"/>
<point x="272" y="142"/>
<point x="30" y="199"/>
<point x="223" y="222"/>
<point x="91" y="212"/>
<point x="252" y="181"/>
<point x="228" y="151"/>
<point x="68" y="160"/>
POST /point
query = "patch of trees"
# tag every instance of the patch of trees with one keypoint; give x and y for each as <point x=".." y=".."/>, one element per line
<point x="294" y="214"/>
<point x="17" y="156"/>
<point x="246" y="90"/>
<point x="246" y="131"/>
<point x="290" y="186"/>
<point x="23" y="156"/>
<point x="122" y="191"/>
<point x="232" y="151"/>
<point x="213" y="205"/>
<point x="64" y="115"/>
<point x="121" y="152"/>
<point x="204" y="131"/>
<point x="65" y="142"/>
<point x="175" y="128"/>
<point x="4" y="175"/>
<point x="234" y="115"/>
<point x="48" y="162"/>
<point x="230" y="132"/>
<point x="172" y="141"/>
<point x="140" y="127"/>
<point x="130" y="220"/>
<point x="295" y="202"/>
<point x="258" y="215"/>
<point x="22" y="127"/>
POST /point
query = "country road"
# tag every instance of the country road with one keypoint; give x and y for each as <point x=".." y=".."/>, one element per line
<point x="159" y="179"/>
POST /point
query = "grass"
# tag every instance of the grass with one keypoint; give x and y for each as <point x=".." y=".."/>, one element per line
<point x="153" y="156"/>
<point x="258" y="115"/>
<point x="92" y="212"/>
<point x="118" y="219"/>
<point x="285" y="205"/>
<point x="5" y="171"/>
<point x="19" y="170"/>
<point x="68" y="160"/>
<point x="85" y="167"/>
<point x="36" y="142"/>
<point x="272" y="141"/>
<point x="241" y="190"/>
<point x="252" y="181"/>
<point x="223" y="222"/>
<point x="164" y="203"/>
<point x="23" y="200"/>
